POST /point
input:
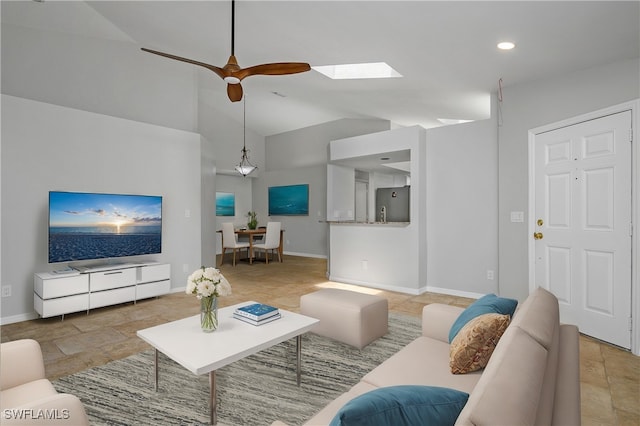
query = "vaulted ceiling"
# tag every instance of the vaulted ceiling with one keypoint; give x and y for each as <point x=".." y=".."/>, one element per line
<point x="445" y="50"/>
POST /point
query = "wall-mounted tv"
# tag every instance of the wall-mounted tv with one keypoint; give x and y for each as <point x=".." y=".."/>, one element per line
<point x="86" y="226"/>
<point x="289" y="200"/>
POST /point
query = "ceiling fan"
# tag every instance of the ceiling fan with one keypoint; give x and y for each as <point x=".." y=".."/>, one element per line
<point x="232" y="73"/>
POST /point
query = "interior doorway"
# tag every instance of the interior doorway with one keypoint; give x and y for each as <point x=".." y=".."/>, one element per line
<point x="362" y="201"/>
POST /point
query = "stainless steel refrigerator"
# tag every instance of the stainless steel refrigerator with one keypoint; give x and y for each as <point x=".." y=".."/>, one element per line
<point x="392" y="204"/>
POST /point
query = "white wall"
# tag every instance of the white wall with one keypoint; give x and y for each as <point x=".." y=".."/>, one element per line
<point x="48" y="147"/>
<point x="217" y="123"/>
<point x="535" y="104"/>
<point x="391" y="256"/>
<point x="104" y="76"/>
<point x="462" y="207"/>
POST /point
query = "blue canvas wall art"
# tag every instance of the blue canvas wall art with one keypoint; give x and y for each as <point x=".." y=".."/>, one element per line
<point x="225" y="204"/>
<point x="290" y="200"/>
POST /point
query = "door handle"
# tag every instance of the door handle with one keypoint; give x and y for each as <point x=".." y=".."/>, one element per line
<point x="538" y="235"/>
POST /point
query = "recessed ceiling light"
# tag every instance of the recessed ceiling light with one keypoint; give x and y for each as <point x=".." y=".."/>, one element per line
<point x="357" y="71"/>
<point x="384" y="158"/>
<point x="506" y="45"/>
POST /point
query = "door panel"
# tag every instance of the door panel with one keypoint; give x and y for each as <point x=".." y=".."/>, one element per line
<point x="583" y="220"/>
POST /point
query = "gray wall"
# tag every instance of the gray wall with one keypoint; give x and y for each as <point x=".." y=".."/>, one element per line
<point x="81" y="72"/>
<point x="47" y="147"/>
<point x="308" y="146"/>
<point x="531" y="105"/>
<point x="304" y="235"/>
<point x="298" y="157"/>
<point x="221" y="125"/>
<point x="462" y="207"/>
<point x="241" y="187"/>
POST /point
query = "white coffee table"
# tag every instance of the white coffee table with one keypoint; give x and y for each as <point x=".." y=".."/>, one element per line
<point x="184" y="342"/>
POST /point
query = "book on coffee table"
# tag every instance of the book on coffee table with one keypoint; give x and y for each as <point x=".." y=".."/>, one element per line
<point x="254" y="322"/>
<point x="257" y="311"/>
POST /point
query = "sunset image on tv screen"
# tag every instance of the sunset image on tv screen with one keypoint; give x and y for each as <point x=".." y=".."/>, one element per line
<point x="96" y="226"/>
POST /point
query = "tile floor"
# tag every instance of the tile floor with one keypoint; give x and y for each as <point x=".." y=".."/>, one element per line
<point x="610" y="377"/>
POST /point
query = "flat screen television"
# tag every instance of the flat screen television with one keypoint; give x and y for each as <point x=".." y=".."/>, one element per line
<point x="89" y="226"/>
<point x="289" y="200"/>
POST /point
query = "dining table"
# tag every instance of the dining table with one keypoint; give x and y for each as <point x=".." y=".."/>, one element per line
<point x="252" y="233"/>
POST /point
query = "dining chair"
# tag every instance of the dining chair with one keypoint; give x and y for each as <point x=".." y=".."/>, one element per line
<point x="230" y="241"/>
<point x="271" y="240"/>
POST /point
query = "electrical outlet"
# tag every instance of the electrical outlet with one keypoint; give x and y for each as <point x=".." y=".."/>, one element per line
<point x="490" y="274"/>
<point x="6" y="291"/>
<point x="185" y="267"/>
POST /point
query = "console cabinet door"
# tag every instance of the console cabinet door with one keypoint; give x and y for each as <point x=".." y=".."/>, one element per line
<point x="107" y="280"/>
<point x="153" y="273"/>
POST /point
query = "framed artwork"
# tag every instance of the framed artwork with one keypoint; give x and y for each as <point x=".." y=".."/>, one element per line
<point x="290" y="200"/>
<point x="225" y="204"/>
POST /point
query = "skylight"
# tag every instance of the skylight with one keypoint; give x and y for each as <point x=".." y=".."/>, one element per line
<point x="358" y="71"/>
<point x="453" y="121"/>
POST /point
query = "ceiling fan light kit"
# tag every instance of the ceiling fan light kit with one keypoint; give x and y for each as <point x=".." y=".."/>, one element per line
<point x="232" y="73"/>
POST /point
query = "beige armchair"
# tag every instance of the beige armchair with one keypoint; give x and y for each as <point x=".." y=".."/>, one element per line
<point x="26" y="396"/>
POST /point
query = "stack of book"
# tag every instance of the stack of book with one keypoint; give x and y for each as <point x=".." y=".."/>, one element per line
<point x="257" y="313"/>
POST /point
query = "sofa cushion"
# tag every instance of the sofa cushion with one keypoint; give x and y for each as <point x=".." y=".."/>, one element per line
<point x="539" y="316"/>
<point x="424" y="361"/>
<point x="473" y="345"/>
<point x="487" y="304"/>
<point x="403" y="405"/>
<point x="509" y="390"/>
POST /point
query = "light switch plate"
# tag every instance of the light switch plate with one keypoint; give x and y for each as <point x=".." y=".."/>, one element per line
<point x="517" y="216"/>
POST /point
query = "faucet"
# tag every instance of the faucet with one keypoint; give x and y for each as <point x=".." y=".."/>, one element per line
<point x="383" y="214"/>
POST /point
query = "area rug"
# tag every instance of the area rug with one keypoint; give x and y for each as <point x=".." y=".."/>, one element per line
<point x="254" y="391"/>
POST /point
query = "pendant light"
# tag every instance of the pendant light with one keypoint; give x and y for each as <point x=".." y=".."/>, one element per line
<point x="245" y="167"/>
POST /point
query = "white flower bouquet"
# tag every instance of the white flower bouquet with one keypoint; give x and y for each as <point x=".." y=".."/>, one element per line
<point x="208" y="284"/>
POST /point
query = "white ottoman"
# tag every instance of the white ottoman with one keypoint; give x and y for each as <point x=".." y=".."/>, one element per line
<point x="350" y="317"/>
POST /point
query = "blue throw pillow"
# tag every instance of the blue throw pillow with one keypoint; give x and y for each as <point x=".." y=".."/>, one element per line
<point x="488" y="304"/>
<point x="408" y="405"/>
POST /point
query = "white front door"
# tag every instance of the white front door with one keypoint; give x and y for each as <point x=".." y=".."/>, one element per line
<point x="583" y="224"/>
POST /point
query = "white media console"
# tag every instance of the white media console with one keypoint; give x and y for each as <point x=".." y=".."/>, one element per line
<point x="90" y="288"/>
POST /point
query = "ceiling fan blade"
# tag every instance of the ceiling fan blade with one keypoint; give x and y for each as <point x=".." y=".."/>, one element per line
<point x="280" y="68"/>
<point x="235" y="92"/>
<point x="213" y="68"/>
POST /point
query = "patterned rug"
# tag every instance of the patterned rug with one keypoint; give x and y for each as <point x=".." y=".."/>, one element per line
<point x="254" y="391"/>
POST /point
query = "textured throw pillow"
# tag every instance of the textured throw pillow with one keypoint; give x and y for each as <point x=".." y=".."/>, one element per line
<point x="487" y="304"/>
<point x="474" y="344"/>
<point x="403" y="405"/>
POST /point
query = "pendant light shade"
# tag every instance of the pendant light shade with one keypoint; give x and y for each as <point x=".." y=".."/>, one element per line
<point x="245" y="167"/>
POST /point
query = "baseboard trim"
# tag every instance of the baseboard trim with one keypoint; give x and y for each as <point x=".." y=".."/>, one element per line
<point x="18" y="318"/>
<point x="450" y="292"/>
<point x="316" y="256"/>
<point x="407" y="290"/>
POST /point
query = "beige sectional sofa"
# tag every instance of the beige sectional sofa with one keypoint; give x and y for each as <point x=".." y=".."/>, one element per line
<point x="532" y="377"/>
